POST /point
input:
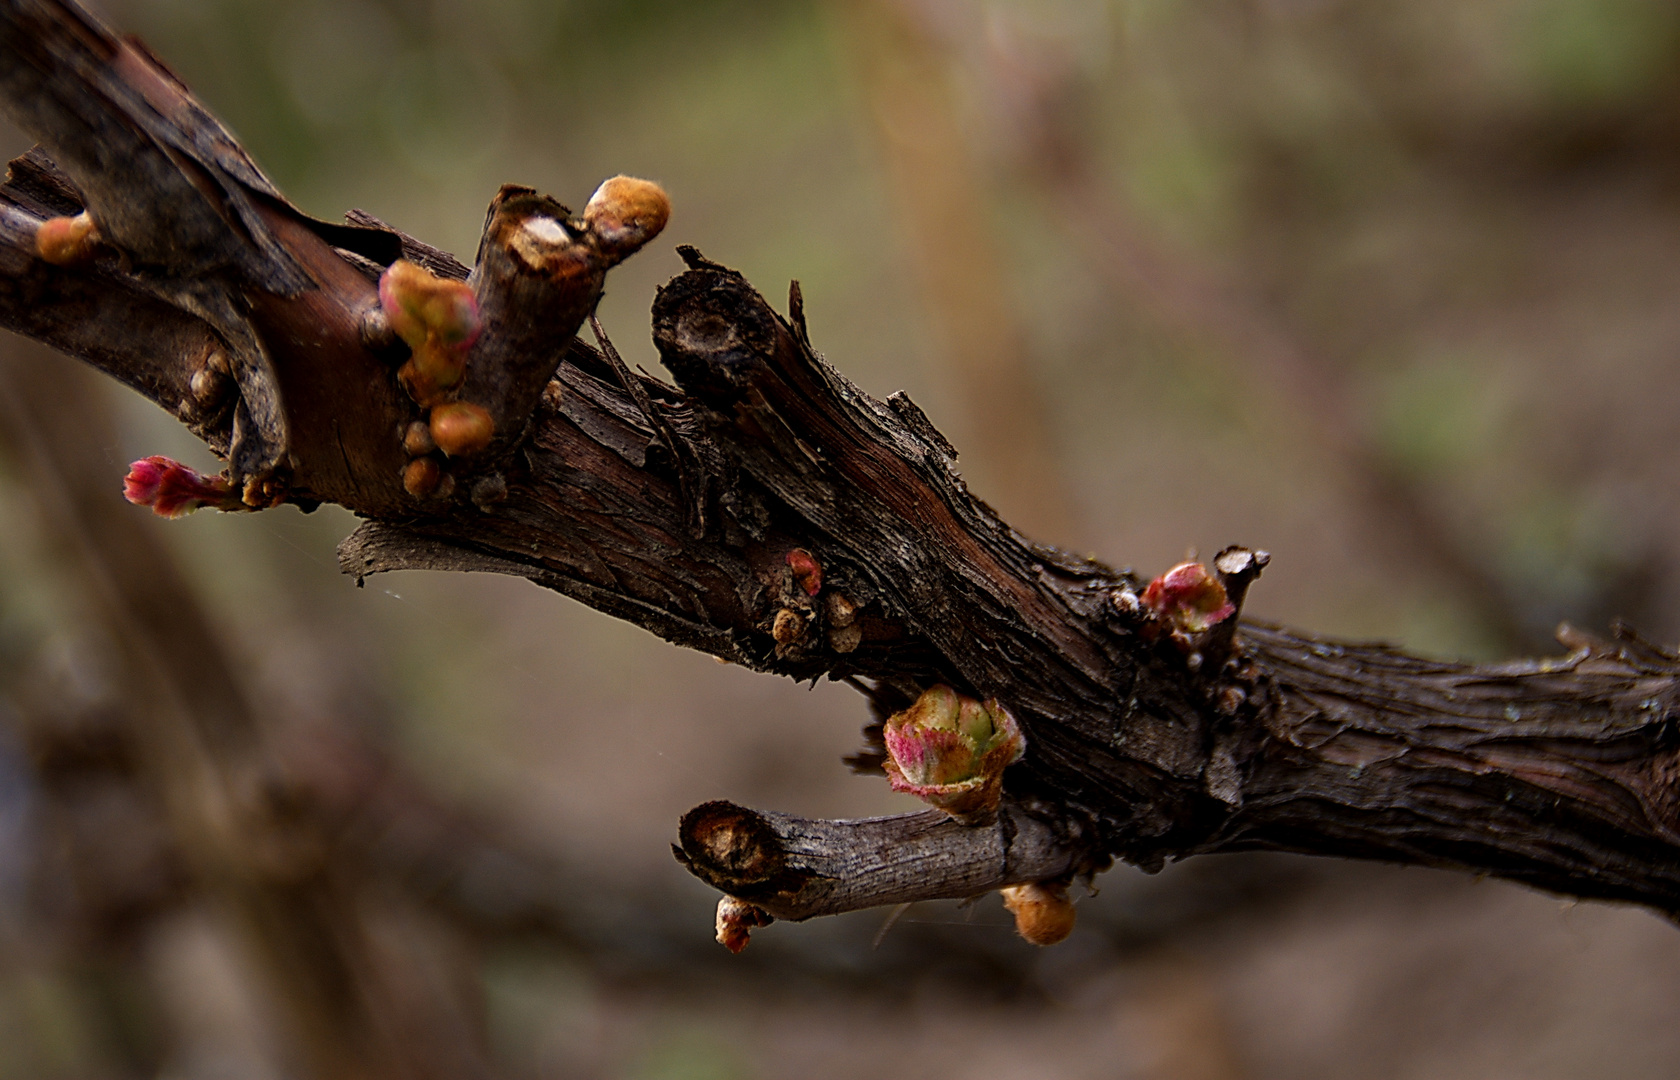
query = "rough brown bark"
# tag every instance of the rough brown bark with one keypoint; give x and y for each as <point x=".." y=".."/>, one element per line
<point x="1555" y="773"/>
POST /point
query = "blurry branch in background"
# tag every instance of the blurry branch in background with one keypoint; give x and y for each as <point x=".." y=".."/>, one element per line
<point x="940" y="210"/>
<point x="1035" y="92"/>
<point x="263" y="839"/>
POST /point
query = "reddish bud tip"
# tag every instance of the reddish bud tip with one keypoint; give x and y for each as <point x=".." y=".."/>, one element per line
<point x="736" y="921"/>
<point x="1189" y="598"/>
<point x="625" y="213"/>
<point x="460" y="428"/>
<point x="171" y="489"/>
<point x="65" y="241"/>
<point x="421" y="306"/>
<point x="807" y="571"/>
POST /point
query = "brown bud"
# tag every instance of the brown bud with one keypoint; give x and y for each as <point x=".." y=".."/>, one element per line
<point x="843" y="639"/>
<point x="736" y="920"/>
<point x="374" y="328"/>
<point x="625" y="213"/>
<point x="1043" y="913"/>
<point x="488" y="490"/>
<point x="417" y="439"/>
<point x="416" y="380"/>
<point x="431" y="372"/>
<point x="422" y="477"/>
<point x="841" y="611"/>
<point x="262" y="492"/>
<point x="460" y="427"/>
<point x="788" y="627"/>
<point x="65" y="241"/>
<point x="208" y="386"/>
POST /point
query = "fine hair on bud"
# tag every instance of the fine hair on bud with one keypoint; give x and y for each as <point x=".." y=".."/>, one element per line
<point x="1043" y="913"/>
<point x="625" y="213"/>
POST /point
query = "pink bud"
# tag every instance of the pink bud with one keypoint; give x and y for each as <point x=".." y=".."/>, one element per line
<point x="171" y="489"/>
<point x="807" y="571"/>
<point x="1188" y="598"/>
<point x="951" y="750"/>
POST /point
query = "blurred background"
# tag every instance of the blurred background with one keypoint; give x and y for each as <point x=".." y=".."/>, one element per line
<point x="1385" y="289"/>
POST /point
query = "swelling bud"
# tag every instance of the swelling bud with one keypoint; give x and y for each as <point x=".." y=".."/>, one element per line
<point x="625" y="213"/>
<point x="460" y="428"/>
<point x="950" y="751"/>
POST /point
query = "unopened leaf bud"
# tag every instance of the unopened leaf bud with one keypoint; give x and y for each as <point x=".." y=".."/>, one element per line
<point x="209" y="385"/>
<point x="625" y="213"/>
<point x="1188" y="598"/>
<point x="841" y="611"/>
<point x="807" y="571"/>
<point x="950" y="751"/>
<point x="420" y="306"/>
<point x="736" y="920"/>
<point x="843" y="639"/>
<point x="374" y="329"/>
<point x="488" y="490"/>
<point x="460" y="428"/>
<point x="66" y="241"/>
<point x="432" y="372"/>
<point x="171" y="489"/>
<point x="422" y="476"/>
<point x="1043" y="913"/>
<point x="417" y="439"/>
<point x="788" y="626"/>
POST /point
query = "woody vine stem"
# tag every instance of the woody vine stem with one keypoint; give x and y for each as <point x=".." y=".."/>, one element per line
<point x="1056" y="713"/>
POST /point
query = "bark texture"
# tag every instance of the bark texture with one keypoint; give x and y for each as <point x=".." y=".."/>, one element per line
<point x="677" y="507"/>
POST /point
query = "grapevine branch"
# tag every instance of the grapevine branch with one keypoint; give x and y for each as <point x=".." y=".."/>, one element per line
<point x="765" y="510"/>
